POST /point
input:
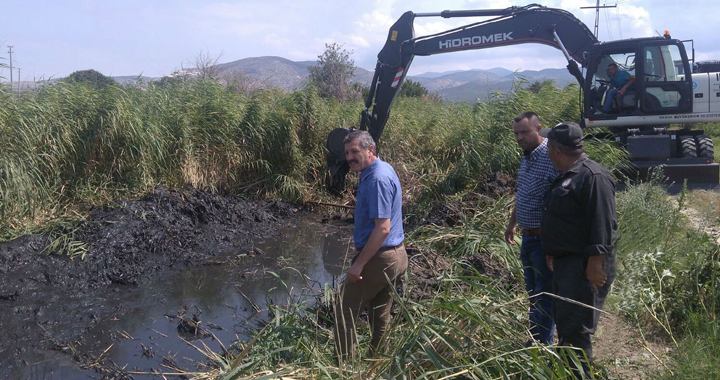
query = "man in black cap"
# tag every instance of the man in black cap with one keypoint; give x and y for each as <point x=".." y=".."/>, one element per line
<point x="578" y="232"/>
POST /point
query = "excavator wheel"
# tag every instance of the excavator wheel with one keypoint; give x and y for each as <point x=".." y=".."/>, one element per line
<point x="687" y="146"/>
<point x="705" y="146"/>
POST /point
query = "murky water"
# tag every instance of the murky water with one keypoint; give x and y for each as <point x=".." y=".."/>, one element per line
<point x="225" y="296"/>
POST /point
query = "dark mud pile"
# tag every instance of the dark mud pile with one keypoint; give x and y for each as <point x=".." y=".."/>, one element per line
<point x="428" y="269"/>
<point x="127" y="242"/>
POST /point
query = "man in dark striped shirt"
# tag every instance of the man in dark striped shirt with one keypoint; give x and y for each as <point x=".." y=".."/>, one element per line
<point x="534" y="177"/>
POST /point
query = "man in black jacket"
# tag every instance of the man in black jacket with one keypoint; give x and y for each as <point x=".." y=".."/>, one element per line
<point x="578" y="233"/>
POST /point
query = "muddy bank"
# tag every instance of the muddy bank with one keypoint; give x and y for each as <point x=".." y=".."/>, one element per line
<point x="51" y="299"/>
<point x="172" y="262"/>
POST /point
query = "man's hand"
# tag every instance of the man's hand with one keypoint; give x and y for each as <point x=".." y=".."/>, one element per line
<point x="550" y="261"/>
<point x="510" y="234"/>
<point x="595" y="273"/>
<point x="354" y="273"/>
<point x="622" y="91"/>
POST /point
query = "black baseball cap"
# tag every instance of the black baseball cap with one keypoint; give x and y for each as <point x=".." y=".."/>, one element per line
<point x="566" y="133"/>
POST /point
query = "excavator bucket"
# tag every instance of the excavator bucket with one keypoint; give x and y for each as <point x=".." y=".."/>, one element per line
<point x="336" y="164"/>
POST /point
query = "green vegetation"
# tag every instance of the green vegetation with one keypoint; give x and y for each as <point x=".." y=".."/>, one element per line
<point x="94" y="78"/>
<point x="71" y="145"/>
<point x="333" y="72"/>
<point x="412" y="89"/>
<point x="668" y="281"/>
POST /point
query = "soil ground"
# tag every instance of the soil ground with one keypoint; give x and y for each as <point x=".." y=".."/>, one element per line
<point x="624" y="353"/>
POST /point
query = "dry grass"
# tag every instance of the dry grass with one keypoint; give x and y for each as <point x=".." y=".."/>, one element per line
<point x="707" y="203"/>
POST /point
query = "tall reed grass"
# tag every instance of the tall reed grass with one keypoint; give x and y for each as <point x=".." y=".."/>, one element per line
<point x="69" y="144"/>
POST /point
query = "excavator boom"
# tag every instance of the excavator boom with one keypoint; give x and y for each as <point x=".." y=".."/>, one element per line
<point x="510" y="26"/>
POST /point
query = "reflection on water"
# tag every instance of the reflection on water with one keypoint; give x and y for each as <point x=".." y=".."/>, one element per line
<point x="223" y="297"/>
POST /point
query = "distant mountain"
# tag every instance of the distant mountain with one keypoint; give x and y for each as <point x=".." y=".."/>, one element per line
<point x="453" y="86"/>
<point x="280" y="72"/>
<point x="471" y="85"/>
<point x="471" y="91"/>
<point x="432" y="75"/>
<point x="271" y="71"/>
<point x="501" y="72"/>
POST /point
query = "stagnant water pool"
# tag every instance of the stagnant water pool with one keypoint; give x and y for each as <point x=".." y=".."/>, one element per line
<point x="224" y="295"/>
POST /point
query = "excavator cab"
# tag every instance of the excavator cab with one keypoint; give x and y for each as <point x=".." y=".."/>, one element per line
<point x="660" y="89"/>
<point x="662" y="94"/>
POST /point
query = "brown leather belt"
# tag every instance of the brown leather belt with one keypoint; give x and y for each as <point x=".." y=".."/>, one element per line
<point x="531" y="231"/>
<point x="383" y="249"/>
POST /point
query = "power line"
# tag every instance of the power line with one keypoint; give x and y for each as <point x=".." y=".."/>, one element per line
<point x="597" y="8"/>
<point x="607" y="22"/>
<point x="11" y="71"/>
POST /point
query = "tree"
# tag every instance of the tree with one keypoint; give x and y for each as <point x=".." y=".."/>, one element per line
<point x="537" y="85"/>
<point x="412" y="89"/>
<point x="94" y="78"/>
<point x="205" y="65"/>
<point x="333" y="72"/>
<point x="239" y="82"/>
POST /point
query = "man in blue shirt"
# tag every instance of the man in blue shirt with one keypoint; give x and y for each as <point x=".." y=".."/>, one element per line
<point x="380" y="254"/>
<point x="619" y="79"/>
<point x="534" y="177"/>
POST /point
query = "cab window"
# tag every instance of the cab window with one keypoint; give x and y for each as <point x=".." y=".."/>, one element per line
<point x="660" y="67"/>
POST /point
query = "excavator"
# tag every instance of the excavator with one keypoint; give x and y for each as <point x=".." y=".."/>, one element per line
<point x="669" y="88"/>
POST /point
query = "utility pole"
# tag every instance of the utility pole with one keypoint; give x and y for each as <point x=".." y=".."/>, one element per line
<point x="19" y="79"/>
<point x="597" y="8"/>
<point x="11" y="81"/>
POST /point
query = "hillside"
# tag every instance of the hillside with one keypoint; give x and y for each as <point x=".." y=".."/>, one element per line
<point x="454" y="86"/>
<point x="279" y="72"/>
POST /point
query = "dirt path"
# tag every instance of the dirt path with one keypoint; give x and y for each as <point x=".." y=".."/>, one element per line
<point x="623" y="351"/>
<point x="698" y="221"/>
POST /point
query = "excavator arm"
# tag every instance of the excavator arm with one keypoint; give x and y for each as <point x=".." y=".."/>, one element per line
<point x="515" y="25"/>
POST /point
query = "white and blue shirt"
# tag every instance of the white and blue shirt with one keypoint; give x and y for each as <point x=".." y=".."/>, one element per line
<point x="379" y="195"/>
<point x="534" y="178"/>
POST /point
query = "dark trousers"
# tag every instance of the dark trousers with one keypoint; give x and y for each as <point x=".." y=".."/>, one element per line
<point x="374" y="291"/>
<point x="538" y="279"/>
<point x="576" y="323"/>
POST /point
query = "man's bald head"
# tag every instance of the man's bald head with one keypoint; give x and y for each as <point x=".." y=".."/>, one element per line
<point x="526" y="128"/>
<point x="532" y="118"/>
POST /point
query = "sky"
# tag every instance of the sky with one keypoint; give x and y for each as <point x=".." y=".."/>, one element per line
<point x="52" y="39"/>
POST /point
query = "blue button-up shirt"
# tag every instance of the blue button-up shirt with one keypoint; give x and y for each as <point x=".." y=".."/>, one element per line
<point x="379" y="195"/>
<point x="534" y="177"/>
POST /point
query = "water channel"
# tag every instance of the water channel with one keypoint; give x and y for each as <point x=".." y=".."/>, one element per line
<point x="224" y="294"/>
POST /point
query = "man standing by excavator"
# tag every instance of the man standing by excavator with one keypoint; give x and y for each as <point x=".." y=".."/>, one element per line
<point x="380" y="256"/>
<point x="534" y="177"/>
<point x="578" y="229"/>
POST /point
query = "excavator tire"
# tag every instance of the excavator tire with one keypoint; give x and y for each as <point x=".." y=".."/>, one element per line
<point x="687" y="146"/>
<point x="705" y="147"/>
